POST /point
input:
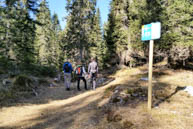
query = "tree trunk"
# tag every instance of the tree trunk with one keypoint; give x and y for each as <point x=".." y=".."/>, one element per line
<point x="121" y="59"/>
<point x="81" y="53"/>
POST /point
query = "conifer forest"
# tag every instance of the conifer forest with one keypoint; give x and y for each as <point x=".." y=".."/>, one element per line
<point x="34" y="47"/>
<point x="32" y="38"/>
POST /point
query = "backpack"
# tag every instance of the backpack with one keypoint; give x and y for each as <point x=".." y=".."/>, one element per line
<point x="66" y="67"/>
<point x="79" y="70"/>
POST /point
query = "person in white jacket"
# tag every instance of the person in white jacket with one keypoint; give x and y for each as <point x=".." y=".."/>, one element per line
<point x="93" y="71"/>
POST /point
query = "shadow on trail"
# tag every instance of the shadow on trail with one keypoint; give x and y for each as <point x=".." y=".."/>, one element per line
<point x="63" y="117"/>
<point x="47" y="94"/>
<point x="136" y="93"/>
<point x="137" y="89"/>
<point x="178" y="88"/>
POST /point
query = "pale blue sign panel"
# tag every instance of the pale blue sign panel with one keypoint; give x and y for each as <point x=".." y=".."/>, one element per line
<point x="151" y="31"/>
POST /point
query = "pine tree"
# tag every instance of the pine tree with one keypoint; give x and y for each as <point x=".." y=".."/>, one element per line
<point x="81" y="14"/>
<point x="62" y="48"/>
<point x="3" y="33"/>
<point x="117" y="33"/>
<point x="97" y="45"/>
<point x="19" y="30"/>
<point x="44" y="35"/>
<point x="56" y="49"/>
<point x="126" y="17"/>
<point x="177" y="37"/>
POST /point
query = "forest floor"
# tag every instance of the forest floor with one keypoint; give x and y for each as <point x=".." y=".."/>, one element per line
<point x="56" y="108"/>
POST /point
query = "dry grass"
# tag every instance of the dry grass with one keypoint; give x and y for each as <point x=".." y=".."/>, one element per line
<point x="172" y="106"/>
<point x="85" y="110"/>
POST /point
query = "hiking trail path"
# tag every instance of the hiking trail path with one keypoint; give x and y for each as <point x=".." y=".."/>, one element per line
<point x="55" y="108"/>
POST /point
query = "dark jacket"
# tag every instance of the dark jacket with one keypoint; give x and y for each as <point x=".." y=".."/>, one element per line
<point x="83" y="71"/>
<point x="69" y="65"/>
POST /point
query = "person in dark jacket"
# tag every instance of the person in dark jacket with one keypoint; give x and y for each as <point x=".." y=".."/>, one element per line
<point x="67" y="68"/>
<point x="80" y="73"/>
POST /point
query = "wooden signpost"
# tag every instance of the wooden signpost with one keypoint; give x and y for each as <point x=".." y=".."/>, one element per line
<point x="150" y="32"/>
<point x="150" y="75"/>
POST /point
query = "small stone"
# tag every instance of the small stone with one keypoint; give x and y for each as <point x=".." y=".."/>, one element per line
<point x="6" y="81"/>
<point x="55" y="79"/>
<point x="116" y="91"/>
<point x="115" y="99"/>
<point x="127" y="124"/>
<point x="110" y="116"/>
<point x="134" y="95"/>
<point x="174" y="112"/>
<point x="117" y="117"/>
<point x="123" y="94"/>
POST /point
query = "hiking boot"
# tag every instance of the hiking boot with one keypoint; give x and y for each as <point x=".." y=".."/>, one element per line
<point x="68" y="89"/>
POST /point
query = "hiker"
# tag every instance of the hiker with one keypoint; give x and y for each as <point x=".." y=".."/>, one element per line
<point x="67" y="68"/>
<point x="93" y="71"/>
<point x="80" y="73"/>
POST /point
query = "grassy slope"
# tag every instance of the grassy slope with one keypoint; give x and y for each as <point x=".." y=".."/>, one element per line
<point x="172" y="106"/>
<point x="83" y="110"/>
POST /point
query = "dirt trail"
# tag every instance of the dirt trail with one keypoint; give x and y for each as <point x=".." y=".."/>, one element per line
<point x="54" y="108"/>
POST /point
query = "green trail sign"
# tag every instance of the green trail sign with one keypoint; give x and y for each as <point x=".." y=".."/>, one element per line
<point x="151" y="31"/>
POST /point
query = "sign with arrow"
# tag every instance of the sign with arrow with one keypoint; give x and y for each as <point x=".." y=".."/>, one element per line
<point x="150" y="32"/>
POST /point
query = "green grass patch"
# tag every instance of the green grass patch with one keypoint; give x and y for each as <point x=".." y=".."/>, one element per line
<point x="109" y="91"/>
<point x="23" y="83"/>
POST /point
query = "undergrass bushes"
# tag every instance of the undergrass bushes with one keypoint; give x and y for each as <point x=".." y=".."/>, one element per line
<point x="109" y="91"/>
<point x="24" y="79"/>
<point x="40" y="70"/>
<point x="23" y="83"/>
<point x="13" y="68"/>
<point x="21" y="86"/>
<point x="37" y="70"/>
<point x="5" y="94"/>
